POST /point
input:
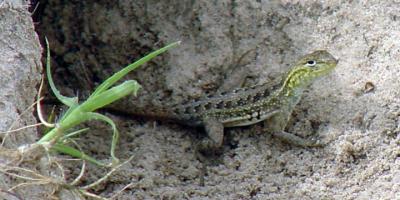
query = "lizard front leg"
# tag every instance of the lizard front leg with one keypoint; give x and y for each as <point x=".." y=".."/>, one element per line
<point x="276" y="125"/>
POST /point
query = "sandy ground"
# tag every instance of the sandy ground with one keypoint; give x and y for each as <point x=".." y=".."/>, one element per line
<point x="356" y="109"/>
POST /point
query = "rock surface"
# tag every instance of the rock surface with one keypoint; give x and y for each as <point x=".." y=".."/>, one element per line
<point x="20" y="66"/>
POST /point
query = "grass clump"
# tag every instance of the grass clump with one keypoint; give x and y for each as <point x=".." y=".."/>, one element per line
<point x="58" y="137"/>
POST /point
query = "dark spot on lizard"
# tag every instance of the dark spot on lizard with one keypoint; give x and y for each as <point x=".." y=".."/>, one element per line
<point x="241" y="102"/>
<point x="208" y="105"/>
<point x="197" y="108"/>
<point x="249" y="98"/>
<point x="185" y="101"/>
<point x="187" y="109"/>
<point x="223" y="93"/>
<point x="229" y="104"/>
<point x="257" y="97"/>
<point x="219" y="105"/>
<point x="177" y="111"/>
<point x="266" y="93"/>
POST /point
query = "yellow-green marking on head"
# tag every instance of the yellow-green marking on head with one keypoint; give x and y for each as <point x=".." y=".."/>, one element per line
<point x="308" y="68"/>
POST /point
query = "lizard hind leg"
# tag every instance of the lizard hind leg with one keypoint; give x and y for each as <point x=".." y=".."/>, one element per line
<point x="213" y="141"/>
<point x="215" y="133"/>
<point x="276" y="126"/>
<point x="296" y="140"/>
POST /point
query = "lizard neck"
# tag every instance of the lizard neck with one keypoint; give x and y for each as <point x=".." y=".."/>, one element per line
<point x="293" y="87"/>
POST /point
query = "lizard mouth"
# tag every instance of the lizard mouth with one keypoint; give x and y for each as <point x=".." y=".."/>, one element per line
<point x="330" y="66"/>
<point x="336" y="61"/>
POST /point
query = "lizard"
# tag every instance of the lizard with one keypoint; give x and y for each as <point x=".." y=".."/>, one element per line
<point x="250" y="105"/>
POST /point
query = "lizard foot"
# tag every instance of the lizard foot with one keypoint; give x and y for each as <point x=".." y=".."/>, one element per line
<point x="206" y="152"/>
<point x="298" y="141"/>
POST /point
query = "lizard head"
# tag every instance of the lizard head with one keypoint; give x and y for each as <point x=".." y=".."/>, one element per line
<point x="310" y="67"/>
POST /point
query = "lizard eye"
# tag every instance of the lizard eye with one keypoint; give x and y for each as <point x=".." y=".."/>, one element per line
<point x="311" y="63"/>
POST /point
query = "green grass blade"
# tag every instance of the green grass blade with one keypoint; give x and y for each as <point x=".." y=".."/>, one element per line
<point x="115" y="137"/>
<point x="75" y="117"/>
<point x="79" y="114"/>
<point x="110" y="95"/>
<point x="75" y="153"/>
<point x="117" y="76"/>
<point x="73" y="134"/>
<point x="69" y="101"/>
<point x="53" y="133"/>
